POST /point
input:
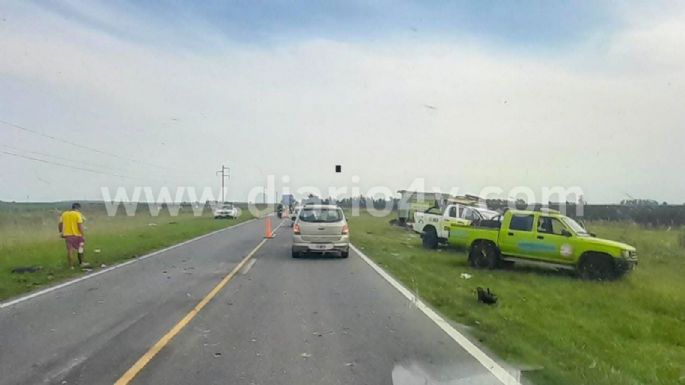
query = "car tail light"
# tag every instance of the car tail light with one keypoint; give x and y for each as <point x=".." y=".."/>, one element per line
<point x="345" y="230"/>
<point x="296" y="229"/>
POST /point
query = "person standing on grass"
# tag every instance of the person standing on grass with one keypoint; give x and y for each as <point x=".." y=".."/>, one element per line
<point x="71" y="229"/>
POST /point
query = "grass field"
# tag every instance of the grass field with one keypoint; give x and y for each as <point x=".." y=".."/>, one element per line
<point x="29" y="237"/>
<point x="631" y="331"/>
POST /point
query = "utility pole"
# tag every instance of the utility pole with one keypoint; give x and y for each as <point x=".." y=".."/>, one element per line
<point x="225" y="173"/>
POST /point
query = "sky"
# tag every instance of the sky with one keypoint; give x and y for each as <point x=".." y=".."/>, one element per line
<point x="463" y="94"/>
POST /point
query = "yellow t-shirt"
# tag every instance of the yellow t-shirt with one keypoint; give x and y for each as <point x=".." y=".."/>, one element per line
<point x="70" y="221"/>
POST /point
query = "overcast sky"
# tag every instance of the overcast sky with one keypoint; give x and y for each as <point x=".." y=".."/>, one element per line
<point x="463" y="94"/>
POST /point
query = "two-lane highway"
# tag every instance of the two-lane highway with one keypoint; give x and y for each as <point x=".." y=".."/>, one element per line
<point x="278" y="321"/>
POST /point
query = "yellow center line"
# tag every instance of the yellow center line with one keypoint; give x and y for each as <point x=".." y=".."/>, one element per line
<point x="133" y="371"/>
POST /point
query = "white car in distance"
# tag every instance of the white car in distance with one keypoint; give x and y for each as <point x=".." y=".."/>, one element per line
<point x="226" y="211"/>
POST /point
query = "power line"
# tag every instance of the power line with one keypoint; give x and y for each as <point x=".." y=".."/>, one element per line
<point x="116" y="172"/>
<point x="75" y="167"/>
<point x="79" y="145"/>
<point x="54" y="156"/>
<point x="64" y="165"/>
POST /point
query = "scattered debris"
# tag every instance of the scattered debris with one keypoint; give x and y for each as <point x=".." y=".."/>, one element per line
<point x="103" y="266"/>
<point x="86" y="269"/>
<point x="349" y="364"/>
<point x="152" y="224"/>
<point x="486" y="296"/>
<point x="27" y="269"/>
<point x="321" y="334"/>
<point x="465" y="276"/>
<point x="217" y="355"/>
<point x="305" y="355"/>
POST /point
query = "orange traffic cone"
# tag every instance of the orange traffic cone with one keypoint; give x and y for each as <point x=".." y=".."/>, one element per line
<point x="267" y="231"/>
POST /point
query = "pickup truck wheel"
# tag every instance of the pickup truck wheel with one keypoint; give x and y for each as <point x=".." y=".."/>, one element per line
<point x="484" y="255"/>
<point x="430" y="239"/>
<point x="597" y="267"/>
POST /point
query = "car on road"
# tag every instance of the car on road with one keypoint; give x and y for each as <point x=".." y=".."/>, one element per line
<point x="226" y="211"/>
<point x="544" y="238"/>
<point x="321" y="229"/>
<point x="434" y="224"/>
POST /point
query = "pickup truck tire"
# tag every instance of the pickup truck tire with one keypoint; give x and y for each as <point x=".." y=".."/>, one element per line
<point x="430" y="238"/>
<point x="484" y="255"/>
<point x="596" y="266"/>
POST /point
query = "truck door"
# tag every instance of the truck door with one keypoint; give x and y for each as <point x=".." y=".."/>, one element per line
<point x="455" y="216"/>
<point x="518" y="238"/>
<point x="553" y="242"/>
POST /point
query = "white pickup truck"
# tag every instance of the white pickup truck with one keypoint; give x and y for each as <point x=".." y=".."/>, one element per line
<point x="434" y="225"/>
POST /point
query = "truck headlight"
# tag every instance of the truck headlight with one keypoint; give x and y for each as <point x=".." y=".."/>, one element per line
<point x="627" y="254"/>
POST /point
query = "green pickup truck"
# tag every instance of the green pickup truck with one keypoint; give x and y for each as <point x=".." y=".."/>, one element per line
<point x="544" y="238"/>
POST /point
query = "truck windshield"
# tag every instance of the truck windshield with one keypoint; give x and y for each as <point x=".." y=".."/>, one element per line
<point x="577" y="228"/>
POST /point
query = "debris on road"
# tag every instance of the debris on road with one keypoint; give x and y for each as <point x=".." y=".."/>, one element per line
<point x="486" y="296"/>
<point x="305" y="355"/>
<point x="217" y="355"/>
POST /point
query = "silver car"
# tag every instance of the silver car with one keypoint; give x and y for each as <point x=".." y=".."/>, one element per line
<point x="321" y="229"/>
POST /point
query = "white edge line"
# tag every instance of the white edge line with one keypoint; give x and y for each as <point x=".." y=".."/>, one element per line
<point x="490" y="364"/>
<point x="117" y="266"/>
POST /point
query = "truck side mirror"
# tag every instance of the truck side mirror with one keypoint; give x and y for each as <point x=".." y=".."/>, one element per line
<point x="565" y="233"/>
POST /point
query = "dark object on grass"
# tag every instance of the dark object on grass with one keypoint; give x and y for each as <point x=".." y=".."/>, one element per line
<point x="26" y="269"/>
<point x="486" y="296"/>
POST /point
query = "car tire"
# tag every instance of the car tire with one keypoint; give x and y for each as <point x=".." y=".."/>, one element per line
<point x="345" y="254"/>
<point x="430" y="239"/>
<point x="484" y="255"/>
<point x="295" y="254"/>
<point x="596" y="267"/>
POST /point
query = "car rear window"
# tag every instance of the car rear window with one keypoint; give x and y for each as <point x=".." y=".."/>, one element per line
<point x="321" y="215"/>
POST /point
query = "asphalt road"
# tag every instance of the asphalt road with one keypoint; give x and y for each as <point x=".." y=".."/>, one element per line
<point x="279" y="321"/>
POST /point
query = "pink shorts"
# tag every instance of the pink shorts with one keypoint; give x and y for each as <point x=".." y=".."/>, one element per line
<point x="73" y="241"/>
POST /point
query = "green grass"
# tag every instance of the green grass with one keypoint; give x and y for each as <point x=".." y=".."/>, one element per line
<point x="630" y="331"/>
<point x="30" y="238"/>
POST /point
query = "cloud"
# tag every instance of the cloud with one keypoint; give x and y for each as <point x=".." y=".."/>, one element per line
<point x="604" y="114"/>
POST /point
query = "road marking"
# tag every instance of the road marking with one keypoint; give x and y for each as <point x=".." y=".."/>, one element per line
<point x="117" y="266"/>
<point x="249" y="265"/>
<point x="496" y="369"/>
<point x="166" y="339"/>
